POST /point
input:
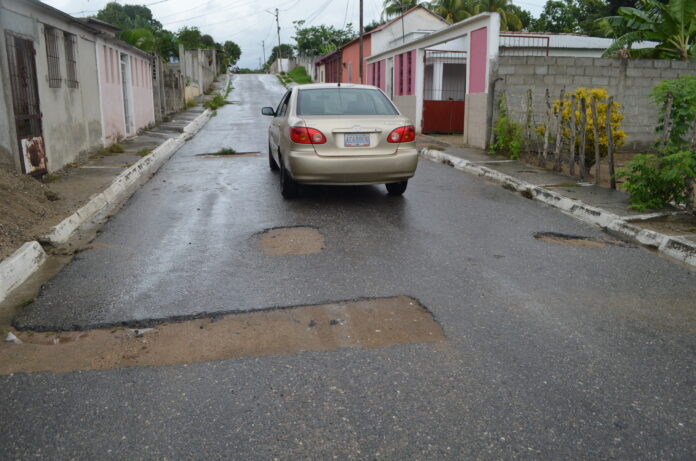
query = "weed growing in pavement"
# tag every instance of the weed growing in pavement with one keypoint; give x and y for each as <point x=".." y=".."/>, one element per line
<point x="214" y="114"/>
<point x="215" y="103"/>
<point x="143" y="152"/>
<point x="190" y="103"/>
<point x="115" y="148"/>
<point x="432" y="147"/>
<point x="226" y="151"/>
<point x="508" y="134"/>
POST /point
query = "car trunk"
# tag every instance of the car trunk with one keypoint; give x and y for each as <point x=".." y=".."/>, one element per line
<point x="344" y="137"/>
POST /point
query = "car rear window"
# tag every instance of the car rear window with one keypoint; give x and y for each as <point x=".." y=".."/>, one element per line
<point x="343" y="101"/>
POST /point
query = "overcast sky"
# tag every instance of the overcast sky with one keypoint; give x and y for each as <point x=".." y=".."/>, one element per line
<point x="248" y="22"/>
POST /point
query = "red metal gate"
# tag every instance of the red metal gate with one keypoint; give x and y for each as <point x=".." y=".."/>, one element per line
<point x="25" y="101"/>
<point x="444" y="90"/>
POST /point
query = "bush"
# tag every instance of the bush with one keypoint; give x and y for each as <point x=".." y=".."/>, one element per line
<point x="507" y="134"/>
<point x="601" y="96"/>
<point x="683" y="91"/>
<point x="299" y="75"/>
<point x="654" y="181"/>
<point x="215" y="103"/>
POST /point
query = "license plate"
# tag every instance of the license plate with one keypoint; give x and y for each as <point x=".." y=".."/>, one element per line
<point x="356" y="140"/>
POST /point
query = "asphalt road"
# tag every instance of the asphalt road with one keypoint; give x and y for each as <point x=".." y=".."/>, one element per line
<point x="551" y="351"/>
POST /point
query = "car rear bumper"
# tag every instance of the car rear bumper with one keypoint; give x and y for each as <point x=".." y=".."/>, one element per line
<point x="310" y="168"/>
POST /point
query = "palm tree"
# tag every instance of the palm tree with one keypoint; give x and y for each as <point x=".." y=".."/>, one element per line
<point x="508" y="19"/>
<point x="398" y="7"/>
<point x="454" y="10"/>
<point x="673" y="25"/>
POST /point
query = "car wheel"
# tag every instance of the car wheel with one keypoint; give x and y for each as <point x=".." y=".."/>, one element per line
<point x="288" y="187"/>
<point x="396" y="188"/>
<point x="271" y="161"/>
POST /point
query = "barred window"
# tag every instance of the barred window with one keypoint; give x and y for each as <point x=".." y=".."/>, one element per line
<point x="70" y="59"/>
<point x="53" y="56"/>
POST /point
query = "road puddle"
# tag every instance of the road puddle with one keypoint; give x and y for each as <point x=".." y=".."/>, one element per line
<point x="291" y="241"/>
<point x="371" y="323"/>
<point x="579" y="241"/>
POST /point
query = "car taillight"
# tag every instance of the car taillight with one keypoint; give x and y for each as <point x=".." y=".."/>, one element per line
<point x="403" y="134"/>
<point x="302" y="135"/>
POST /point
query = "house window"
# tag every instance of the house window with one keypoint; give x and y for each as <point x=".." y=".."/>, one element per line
<point x="53" y="56"/>
<point x="70" y="59"/>
<point x="401" y="75"/>
<point x="409" y="63"/>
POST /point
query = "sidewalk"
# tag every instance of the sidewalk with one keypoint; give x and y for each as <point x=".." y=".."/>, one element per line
<point x="672" y="232"/>
<point x="58" y="209"/>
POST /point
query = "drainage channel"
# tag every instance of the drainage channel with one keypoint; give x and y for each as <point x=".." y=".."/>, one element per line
<point x="368" y="323"/>
<point x="580" y="241"/>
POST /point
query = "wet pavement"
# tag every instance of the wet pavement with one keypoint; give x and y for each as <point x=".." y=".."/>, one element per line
<point x="550" y="351"/>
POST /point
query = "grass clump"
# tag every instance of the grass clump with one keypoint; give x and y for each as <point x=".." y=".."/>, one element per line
<point x="226" y="151"/>
<point x="143" y="152"/>
<point x="299" y="75"/>
<point x="116" y="148"/>
<point x="190" y="103"/>
<point x="215" y="103"/>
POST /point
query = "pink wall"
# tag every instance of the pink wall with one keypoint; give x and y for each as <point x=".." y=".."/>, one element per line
<point x="405" y="73"/>
<point x="112" y="93"/>
<point x="350" y="53"/>
<point x="383" y="75"/>
<point x="478" y="60"/>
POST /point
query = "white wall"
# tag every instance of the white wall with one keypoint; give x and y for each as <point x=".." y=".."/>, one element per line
<point x="414" y="21"/>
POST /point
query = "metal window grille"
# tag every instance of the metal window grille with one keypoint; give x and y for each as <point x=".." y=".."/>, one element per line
<point x="409" y="87"/>
<point x="53" y="56"/>
<point x="70" y="60"/>
<point x="524" y="45"/>
<point x="401" y="75"/>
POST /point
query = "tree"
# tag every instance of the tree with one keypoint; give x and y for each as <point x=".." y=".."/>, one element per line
<point x="454" y="10"/>
<point x="572" y="16"/>
<point x="398" y="7"/>
<point x="233" y="51"/>
<point x="129" y="17"/>
<point x="190" y="37"/>
<point x="508" y="18"/>
<point x="320" y="40"/>
<point x="673" y="25"/>
<point x="285" y="51"/>
<point x="207" y="41"/>
<point x="374" y="24"/>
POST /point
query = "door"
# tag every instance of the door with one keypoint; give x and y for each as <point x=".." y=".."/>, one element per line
<point x="127" y="94"/>
<point x="25" y="102"/>
<point x="444" y="90"/>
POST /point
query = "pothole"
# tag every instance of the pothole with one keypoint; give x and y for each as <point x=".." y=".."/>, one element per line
<point x="371" y="323"/>
<point x="580" y="241"/>
<point x="291" y="241"/>
<point x="233" y="155"/>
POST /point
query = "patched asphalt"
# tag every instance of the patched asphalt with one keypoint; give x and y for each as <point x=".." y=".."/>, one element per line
<point x="551" y="351"/>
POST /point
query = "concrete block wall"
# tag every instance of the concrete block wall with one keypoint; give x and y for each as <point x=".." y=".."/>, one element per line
<point x="629" y="81"/>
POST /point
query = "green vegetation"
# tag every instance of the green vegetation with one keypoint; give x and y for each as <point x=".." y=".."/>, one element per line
<point x="671" y="23"/>
<point x="507" y="134"/>
<point x="215" y="103"/>
<point x="321" y="40"/>
<point x="143" y="152"/>
<point x="190" y="103"/>
<point x="299" y="75"/>
<point x="655" y="180"/>
<point x="226" y="151"/>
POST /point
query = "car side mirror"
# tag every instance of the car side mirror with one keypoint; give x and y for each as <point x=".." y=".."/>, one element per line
<point x="268" y="111"/>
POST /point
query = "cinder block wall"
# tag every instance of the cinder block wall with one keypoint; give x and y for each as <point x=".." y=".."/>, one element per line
<point x="629" y="81"/>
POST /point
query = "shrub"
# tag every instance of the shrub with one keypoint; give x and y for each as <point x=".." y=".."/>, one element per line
<point x="654" y="181"/>
<point x="215" y="103"/>
<point x="683" y="91"/>
<point x="601" y="96"/>
<point x="299" y="75"/>
<point x="507" y="134"/>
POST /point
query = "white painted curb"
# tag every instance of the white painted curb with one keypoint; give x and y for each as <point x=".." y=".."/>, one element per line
<point x="125" y="184"/>
<point x="19" y="266"/>
<point x="678" y="248"/>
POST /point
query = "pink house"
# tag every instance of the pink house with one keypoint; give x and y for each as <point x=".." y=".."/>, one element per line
<point x="125" y="85"/>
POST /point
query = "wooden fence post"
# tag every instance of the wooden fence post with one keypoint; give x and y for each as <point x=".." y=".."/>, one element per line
<point x="529" y="121"/>
<point x="547" y="131"/>
<point x="610" y="143"/>
<point x="559" y="133"/>
<point x="595" y="132"/>
<point x="573" y="131"/>
<point x="583" y="132"/>
<point x="667" y="124"/>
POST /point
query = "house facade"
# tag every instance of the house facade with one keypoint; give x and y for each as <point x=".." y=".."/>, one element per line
<point x="49" y="96"/>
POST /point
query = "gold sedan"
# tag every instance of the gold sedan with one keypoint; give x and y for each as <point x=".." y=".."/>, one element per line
<point x="340" y="134"/>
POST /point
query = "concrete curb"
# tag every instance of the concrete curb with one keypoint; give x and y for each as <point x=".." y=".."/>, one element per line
<point x="19" y="266"/>
<point x="678" y="248"/>
<point x="125" y="184"/>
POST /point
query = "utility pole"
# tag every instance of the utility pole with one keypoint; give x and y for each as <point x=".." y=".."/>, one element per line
<point x="263" y="47"/>
<point x="361" y="41"/>
<point x="279" y="56"/>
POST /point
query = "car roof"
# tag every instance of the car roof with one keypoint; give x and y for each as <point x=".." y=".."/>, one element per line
<point x="316" y="86"/>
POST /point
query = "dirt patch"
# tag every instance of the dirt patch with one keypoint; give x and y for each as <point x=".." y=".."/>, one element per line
<point x="579" y="241"/>
<point x="27" y="210"/>
<point x="236" y="154"/>
<point x="373" y="323"/>
<point x="670" y="225"/>
<point x="289" y="241"/>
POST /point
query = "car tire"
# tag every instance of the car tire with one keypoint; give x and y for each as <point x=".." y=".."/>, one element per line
<point x="397" y="188"/>
<point x="288" y="187"/>
<point x="271" y="161"/>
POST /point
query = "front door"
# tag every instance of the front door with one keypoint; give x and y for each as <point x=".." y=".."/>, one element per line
<point x="25" y="102"/>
